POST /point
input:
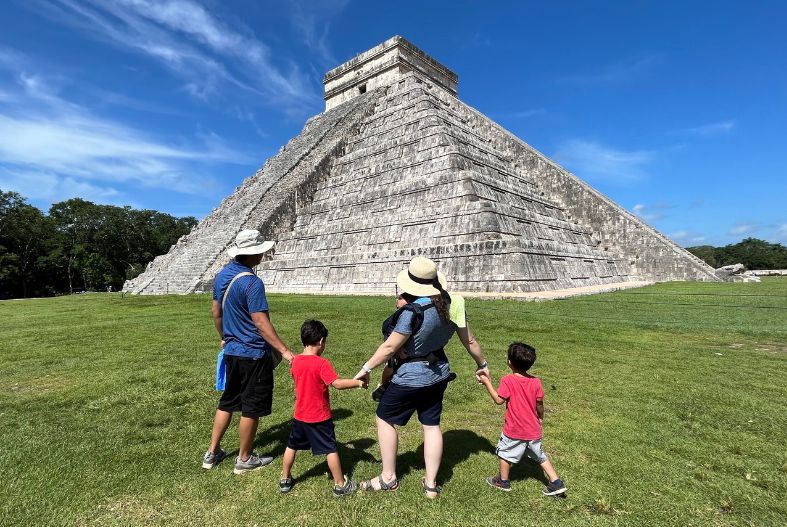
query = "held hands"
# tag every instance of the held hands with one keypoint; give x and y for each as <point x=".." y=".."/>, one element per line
<point x="482" y="374"/>
<point x="288" y="356"/>
<point x="363" y="376"/>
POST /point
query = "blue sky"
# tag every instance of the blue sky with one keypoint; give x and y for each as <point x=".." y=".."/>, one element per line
<point x="675" y="110"/>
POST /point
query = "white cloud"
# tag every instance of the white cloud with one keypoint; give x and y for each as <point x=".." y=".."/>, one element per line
<point x="53" y="148"/>
<point x="192" y="42"/>
<point x="524" y="114"/>
<point x="311" y="19"/>
<point x="711" y="129"/>
<point x="591" y="160"/>
<point x="780" y="235"/>
<point x="687" y="238"/>
<point x="54" y="187"/>
<point x="651" y="212"/>
<point x="621" y="72"/>
<point x="743" y="228"/>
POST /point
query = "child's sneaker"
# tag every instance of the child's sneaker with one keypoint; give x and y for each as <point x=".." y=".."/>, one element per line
<point x="212" y="459"/>
<point x="502" y="484"/>
<point x="348" y="488"/>
<point x="285" y="485"/>
<point x="554" y="488"/>
<point x="254" y="462"/>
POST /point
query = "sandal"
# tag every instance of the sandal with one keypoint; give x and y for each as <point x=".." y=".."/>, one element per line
<point x="434" y="490"/>
<point x="391" y="485"/>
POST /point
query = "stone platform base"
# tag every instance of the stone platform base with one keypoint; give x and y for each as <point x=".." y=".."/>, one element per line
<point x="535" y="296"/>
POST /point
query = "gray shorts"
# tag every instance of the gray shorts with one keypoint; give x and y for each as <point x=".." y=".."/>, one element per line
<point x="512" y="450"/>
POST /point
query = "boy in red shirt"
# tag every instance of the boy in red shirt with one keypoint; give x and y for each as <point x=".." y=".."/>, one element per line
<point x="524" y="399"/>
<point x="312" y="425"/>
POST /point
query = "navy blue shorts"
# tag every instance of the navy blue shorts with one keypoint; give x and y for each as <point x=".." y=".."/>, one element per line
<point x="320" y="437"/>
<point x="400" y="402"/>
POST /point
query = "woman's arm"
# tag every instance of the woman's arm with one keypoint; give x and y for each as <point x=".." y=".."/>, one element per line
<point x="474" y="349"/>
<point x="391" y="345"/>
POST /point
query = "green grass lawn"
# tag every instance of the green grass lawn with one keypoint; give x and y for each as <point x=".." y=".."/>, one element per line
<point x="666" y="405"/>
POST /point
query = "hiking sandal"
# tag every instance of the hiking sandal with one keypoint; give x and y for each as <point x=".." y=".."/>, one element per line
<point x="434" y="490"/>
<point x="391" y="485"/>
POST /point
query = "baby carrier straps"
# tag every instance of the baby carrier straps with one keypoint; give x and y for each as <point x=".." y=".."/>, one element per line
<point x="417" y="321"/>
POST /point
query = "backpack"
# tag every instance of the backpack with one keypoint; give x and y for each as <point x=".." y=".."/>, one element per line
<point x="418" y="311"/>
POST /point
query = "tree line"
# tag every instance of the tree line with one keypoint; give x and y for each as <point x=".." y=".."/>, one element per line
<point x="751" y="252"/>
<point x="78" y="245"/>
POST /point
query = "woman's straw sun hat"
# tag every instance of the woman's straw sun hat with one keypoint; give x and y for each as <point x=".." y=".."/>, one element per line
<point x="419" y="278"/>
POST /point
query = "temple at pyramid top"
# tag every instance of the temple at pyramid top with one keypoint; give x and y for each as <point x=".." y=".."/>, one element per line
<point x="380" y="66"/>
<point x="398" y="166"/>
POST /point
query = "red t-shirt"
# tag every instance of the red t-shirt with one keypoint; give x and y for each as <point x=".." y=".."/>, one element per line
<point x="521" y="394"/>
<point x="312" y="375"/>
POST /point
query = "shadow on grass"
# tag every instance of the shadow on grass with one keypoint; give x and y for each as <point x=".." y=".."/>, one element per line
<point x="350" y="453"/>
<point x="458" y="446"/>
<point x="273" y="440"/>
<point x="528" y="469"/>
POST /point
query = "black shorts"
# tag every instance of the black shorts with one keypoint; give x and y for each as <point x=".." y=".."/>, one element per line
<point x="249" y="386"/>
<point x="400" y="402"/>
<point x="320" y="437"/>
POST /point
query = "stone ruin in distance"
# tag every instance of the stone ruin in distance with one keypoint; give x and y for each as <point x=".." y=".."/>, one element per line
<point x="397" y="166"/>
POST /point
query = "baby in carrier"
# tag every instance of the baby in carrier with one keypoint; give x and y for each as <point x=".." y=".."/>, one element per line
<point x="400" y="356"/>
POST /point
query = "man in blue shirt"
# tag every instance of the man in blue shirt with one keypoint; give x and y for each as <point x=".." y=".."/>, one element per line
<point x="251" y="349"/>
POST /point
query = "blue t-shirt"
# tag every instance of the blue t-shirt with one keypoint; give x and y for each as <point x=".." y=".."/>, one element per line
<point x="434" y="334"/>
<point x="247" y="296"/>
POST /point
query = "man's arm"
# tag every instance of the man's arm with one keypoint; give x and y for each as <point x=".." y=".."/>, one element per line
<point x="268" y="332"/>
<point x="540" y="409"/>
<point x="215" y="309"/>
<point x="487" y="382"/>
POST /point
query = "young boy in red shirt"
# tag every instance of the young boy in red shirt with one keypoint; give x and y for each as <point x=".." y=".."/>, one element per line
<point x="312" y="425"/>
<point x="524" y="400"/>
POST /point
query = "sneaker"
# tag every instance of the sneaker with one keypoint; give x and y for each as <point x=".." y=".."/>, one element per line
<point x="254" y="462"/>
<point x="554" y="488"/>
<point x="378" y="392"/>
<point x="502" y="484"/>
<point x="348" y="488"/>
<point x="212" y="459"/>
<point x="285" y="485"/>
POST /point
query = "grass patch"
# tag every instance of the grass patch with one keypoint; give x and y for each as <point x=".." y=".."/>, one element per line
<point x="666" y="405"/>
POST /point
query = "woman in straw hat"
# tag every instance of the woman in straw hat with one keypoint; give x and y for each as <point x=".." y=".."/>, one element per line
<point x="420" y="334"/>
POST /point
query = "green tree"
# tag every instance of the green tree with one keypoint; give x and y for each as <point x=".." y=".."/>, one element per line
<point x="23" y="235"/>
<point x="751" y="252"/>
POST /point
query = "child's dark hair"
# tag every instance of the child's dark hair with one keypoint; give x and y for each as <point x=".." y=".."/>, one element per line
<point x="521" y="356"/>
<point x="312" y="332"/>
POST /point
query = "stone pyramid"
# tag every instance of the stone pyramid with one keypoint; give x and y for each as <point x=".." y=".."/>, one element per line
<point x="398" y="166"/>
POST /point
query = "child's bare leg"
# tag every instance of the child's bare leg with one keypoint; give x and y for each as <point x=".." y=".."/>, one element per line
<point x="550" y="472"/>
<point x="505" y="469"/>
<point x="287" y="462"/>
<point x="335" y="466"/>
